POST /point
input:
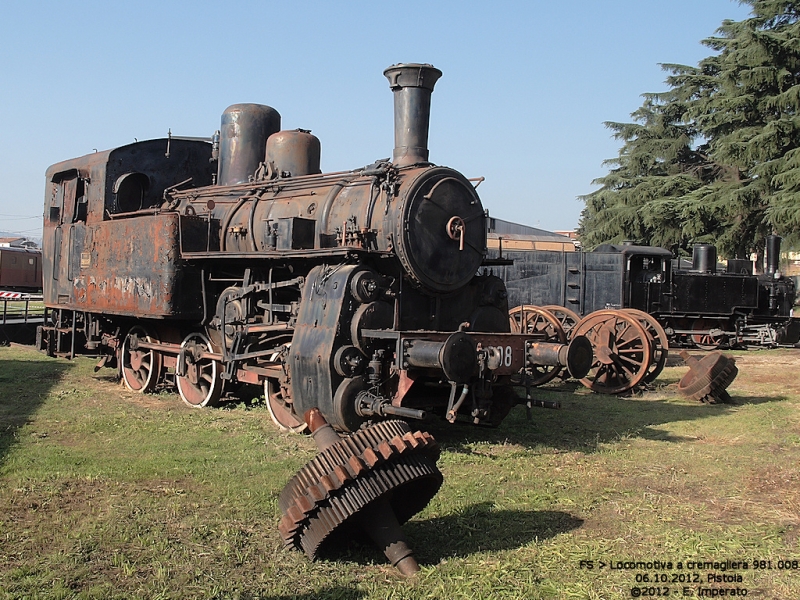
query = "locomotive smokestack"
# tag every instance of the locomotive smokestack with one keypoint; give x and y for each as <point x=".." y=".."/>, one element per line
<point x="704" y="258"/>
<point x="772" y="253"/>
<point x="412" y="85"/>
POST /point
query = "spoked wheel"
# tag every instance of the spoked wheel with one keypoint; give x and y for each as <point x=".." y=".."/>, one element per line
<point x="658" y="340"/>
<point x="622" y="351"/>
<point x="141" y="368"/>
<point x="566" y="317"/>
<point x="280" y="410"/>
<point x="706" y="341"/>
<point x="200" y="384"/>
<point x="537" y="321"/>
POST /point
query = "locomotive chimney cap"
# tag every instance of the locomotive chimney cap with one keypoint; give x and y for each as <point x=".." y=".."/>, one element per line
<point x="404" y="75"/>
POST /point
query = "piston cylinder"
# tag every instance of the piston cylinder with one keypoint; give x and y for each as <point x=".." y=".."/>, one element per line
<point x="243" y="139"/>
<point x="457" y="356"/>
<point x="577" y="356"/>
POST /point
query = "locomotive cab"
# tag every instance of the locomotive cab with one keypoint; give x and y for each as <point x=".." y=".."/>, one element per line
<point x="645" y="277"/>
<point x="106" y="248"/>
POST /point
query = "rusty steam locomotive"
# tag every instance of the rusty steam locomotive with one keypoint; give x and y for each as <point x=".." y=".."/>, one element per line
<point x="236" y="261"/>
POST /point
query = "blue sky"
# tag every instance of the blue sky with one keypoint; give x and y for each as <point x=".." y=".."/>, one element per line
<point x="525" y="91"/>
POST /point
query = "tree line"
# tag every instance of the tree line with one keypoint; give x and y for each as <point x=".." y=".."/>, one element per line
<point x="716" y="157"/>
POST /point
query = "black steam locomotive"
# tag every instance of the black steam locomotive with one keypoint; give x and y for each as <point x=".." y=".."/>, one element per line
<point x="697" y="305"/>
<point x="236" y="260"/>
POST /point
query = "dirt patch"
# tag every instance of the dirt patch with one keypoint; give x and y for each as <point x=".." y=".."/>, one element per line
<point x="75" y="499"/>
<point x="788" y="357"/>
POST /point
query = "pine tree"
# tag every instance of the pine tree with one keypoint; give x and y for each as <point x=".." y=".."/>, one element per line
<point x="716" y="157"/>
<point x="641" y="199"/>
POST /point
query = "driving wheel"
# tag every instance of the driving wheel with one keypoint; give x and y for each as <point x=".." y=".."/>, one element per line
<point x="141" y="368"/>
<point x="200" y="383"/>
<point x="280" y="408"/>
<point x="704" y="339"/>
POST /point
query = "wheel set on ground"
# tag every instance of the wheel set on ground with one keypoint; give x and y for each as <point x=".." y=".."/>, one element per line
<point x="565" y="316"/>
<point x="630" y="347"/>
<point x="547" y="327"/>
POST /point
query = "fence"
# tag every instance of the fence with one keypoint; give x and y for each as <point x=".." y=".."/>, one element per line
<point x="21" y="308"/>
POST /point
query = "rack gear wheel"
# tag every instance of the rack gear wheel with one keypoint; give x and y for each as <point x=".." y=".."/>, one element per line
<point x="373" y="480"/>
<point x="708" y="378"/>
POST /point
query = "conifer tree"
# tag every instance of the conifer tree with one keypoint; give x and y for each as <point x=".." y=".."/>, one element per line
<point x="716" y="157"/>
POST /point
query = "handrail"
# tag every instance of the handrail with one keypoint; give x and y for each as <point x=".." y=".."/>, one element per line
<point x="21" y="308"/>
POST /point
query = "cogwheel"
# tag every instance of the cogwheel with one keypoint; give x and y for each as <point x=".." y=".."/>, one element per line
<point x="408" y="484"/>
<point x="709" y="378"/>
<point x="351" y="456"/>
<point x="373" y="480"/>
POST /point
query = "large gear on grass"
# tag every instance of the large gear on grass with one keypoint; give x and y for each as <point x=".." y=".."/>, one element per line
<point x="708" y="378"/>
<point x="341" y="489"/>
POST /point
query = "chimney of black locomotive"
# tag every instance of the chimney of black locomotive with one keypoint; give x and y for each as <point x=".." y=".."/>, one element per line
<point x="772" y="253"/>
<point x="704" y="258"/>
<point x="412" y="85"/>
<point x="243" y="140"/>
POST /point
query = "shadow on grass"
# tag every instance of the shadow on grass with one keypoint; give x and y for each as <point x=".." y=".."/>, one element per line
<point x="329" y="593"/>
<point x="24" y="385"/>
<point x="17" y="333"/>
<point x="756" y="399"/>
<point x="480" y="528"/>
<point x="477" y="528"/>
<point x="584" y="421"/>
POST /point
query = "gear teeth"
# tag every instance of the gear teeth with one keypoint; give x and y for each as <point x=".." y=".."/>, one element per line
<point x="363" y="446"/>
<point x="721" y="383"/>
<point x="406" y="480"/>
<point x="304" y="504"/>
<point x="316" y="493"/>
<point x="385" y="459"/>
<point x="370" y="458"/>
<point x="342" y="474"/>
<point x="708" y="379"/>
<point x="357" y="465"/>
<point x="329" y="484"/>
<point x="385" y="450"/>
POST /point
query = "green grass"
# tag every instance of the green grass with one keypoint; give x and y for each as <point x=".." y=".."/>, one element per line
<point x="109" y="494"/>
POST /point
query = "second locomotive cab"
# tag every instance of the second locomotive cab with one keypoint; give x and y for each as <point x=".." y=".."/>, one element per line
<point x="236" y="260"/>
